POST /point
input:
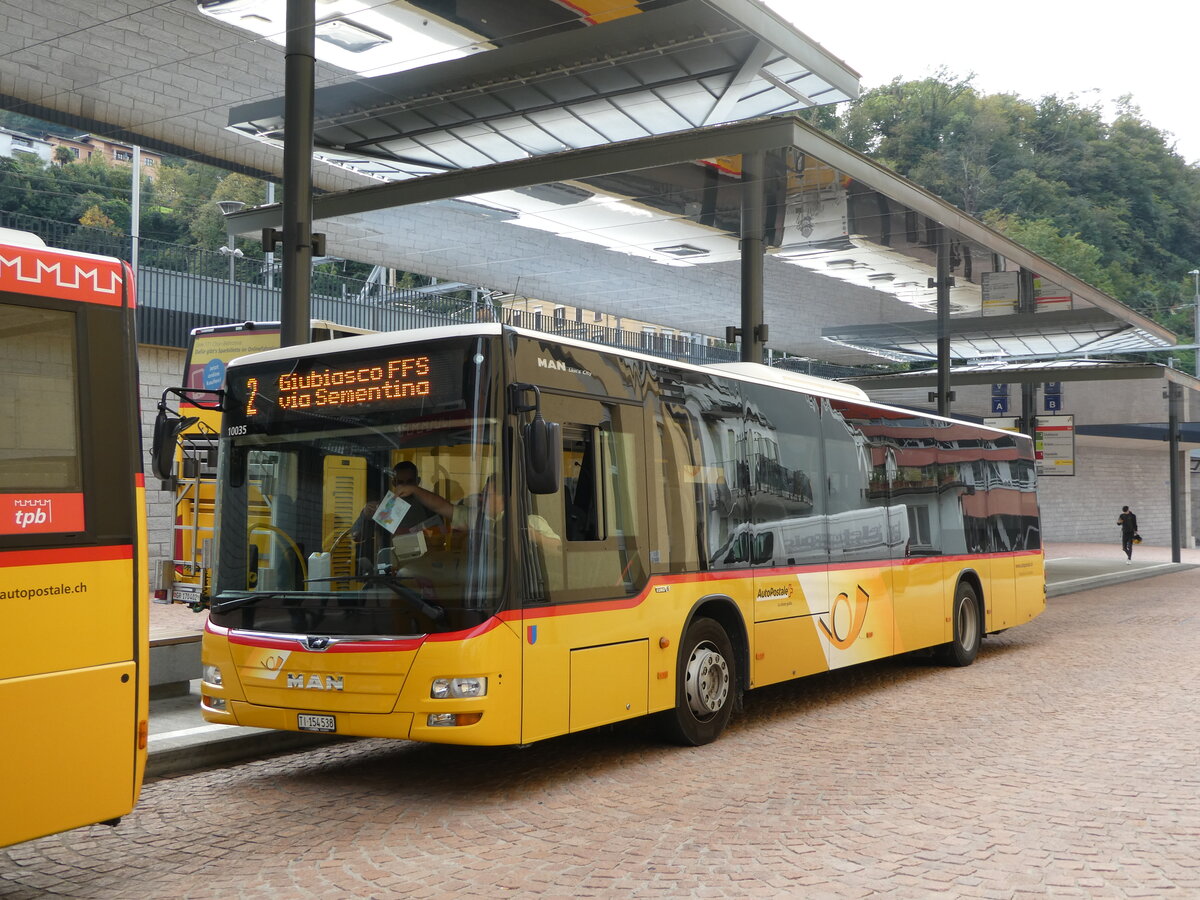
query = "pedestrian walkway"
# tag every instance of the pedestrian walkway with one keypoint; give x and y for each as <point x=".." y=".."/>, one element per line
<point x="1071" y="568"/>
<point x="181" y="740"/>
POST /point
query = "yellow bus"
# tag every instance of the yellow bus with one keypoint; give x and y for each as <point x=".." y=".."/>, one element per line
<point x="185" y="579"/>
<point x="74" y="692"/>
<point x="678" y="534"/>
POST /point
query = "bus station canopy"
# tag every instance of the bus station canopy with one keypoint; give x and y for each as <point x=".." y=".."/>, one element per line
<point x="669" y="67"/>
<point x="649" y="229"/>
<point x="584" y="201"/>
<point x="479" y="80"/>
<point x="1050" y="370"/>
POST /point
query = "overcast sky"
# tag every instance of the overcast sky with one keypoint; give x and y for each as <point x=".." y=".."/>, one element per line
<point x="1094" y="50"/>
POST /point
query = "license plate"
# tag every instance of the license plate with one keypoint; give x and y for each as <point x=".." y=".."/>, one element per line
<point x="185" y="593"/>
<point x="306" y="722"/>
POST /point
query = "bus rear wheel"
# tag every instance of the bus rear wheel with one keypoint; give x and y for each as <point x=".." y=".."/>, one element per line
<point x="968" y="629"/>
<point x="706" y="685"/>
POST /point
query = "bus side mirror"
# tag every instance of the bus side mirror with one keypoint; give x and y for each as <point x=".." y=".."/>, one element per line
<point x="543" y="455"/>
<point x="540" y="440"/>
<point x="166" y="433"/>
<point x="238" y="457"/>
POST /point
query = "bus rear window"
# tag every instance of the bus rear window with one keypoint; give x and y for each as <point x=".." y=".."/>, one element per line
<point x="39" y="444"/>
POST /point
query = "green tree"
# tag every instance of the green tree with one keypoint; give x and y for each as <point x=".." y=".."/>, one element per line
<point x="1110" y="202"/>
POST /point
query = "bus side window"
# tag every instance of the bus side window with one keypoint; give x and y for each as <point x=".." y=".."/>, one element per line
<point x="597" y="512"/>
<point x="580" y="482"/>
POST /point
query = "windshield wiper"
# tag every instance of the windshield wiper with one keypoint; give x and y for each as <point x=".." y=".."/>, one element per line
<point x="392" y="581"/>
<point x="225" y="606"/>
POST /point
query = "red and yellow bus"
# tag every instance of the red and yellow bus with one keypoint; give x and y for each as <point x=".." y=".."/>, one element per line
<point x="74" y="691"/>
<point x="210" y="349"/>
<point x="601" y="535"/>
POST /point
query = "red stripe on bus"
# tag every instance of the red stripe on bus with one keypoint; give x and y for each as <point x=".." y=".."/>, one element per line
<point x="578" y="609"/>
<point x="57" y="556"/>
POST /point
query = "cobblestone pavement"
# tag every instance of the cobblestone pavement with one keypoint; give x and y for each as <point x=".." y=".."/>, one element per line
<point x="1063" y="763"/>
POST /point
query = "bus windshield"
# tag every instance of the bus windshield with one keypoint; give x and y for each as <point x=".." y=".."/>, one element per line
<point x="359" y="494"/>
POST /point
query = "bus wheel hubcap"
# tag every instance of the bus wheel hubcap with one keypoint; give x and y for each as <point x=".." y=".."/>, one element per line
<point x="967" y="623"/>
<point x="707" y="682"/>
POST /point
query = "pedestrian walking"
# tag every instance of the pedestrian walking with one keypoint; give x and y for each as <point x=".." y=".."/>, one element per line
<point x="1129" y="533"/>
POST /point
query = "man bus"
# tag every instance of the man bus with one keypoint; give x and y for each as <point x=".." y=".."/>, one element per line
<point x="74" y="692"/>
<point x="716" y="529"/>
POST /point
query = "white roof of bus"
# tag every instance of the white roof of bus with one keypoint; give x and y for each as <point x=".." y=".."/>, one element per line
<point x="740" y="371"/>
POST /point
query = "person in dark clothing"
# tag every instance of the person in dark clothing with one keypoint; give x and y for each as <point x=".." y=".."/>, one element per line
<point x="1128" y="522"/>
<point x="370" y="536"/>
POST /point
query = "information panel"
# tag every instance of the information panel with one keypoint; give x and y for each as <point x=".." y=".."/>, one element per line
<point x="1054" y="445"/>
<point x="1000" y="292"/>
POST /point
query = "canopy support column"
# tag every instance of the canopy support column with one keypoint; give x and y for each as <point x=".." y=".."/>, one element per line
<point x="942" y="283"/>
<point x="1027" y="305"/>
<point x="296" y="265"/>
<point x="753" y="331"/>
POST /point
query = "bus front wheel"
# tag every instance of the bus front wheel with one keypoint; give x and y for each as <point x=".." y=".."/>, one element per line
<point x="706" y="685"/>
<point x="968" y="629"/>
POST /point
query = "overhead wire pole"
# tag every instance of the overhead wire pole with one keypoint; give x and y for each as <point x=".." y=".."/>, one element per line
<point x="299" y="91"/>
<point x="1195" y="273"/>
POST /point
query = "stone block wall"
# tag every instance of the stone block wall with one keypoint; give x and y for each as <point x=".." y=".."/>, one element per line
<point x="159" y="368"/>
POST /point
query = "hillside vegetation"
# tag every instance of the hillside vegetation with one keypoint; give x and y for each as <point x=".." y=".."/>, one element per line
<point x="1111" y="202"/>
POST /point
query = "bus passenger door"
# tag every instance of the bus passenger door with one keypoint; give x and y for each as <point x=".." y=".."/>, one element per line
<point x="920" y="597"/>
<point x="787" y="536"/>
<point x="581" y="566"/>
<point x="861" y="621"/>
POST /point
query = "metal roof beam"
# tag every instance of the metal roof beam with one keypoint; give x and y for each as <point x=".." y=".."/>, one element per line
<point x="628" y="156"/>
<point x="1028" y="375"/>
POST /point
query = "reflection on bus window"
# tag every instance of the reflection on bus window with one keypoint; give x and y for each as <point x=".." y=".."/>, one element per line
<point x="596" y="513"/>
<point x="39" y="445"/>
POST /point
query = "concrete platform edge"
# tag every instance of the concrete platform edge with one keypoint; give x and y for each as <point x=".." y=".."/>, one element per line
<point x="1075" y="585"/>
<point x="236" y="747"/>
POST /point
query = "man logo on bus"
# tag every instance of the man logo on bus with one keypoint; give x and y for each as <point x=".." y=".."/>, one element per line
<point x="846" y="622"/>
<point x="314" y="682"/>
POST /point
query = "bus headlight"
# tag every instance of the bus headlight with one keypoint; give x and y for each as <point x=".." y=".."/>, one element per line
<point x="452" y="720"/>
<point x="211" y="674"/>
<point x="445" y="688"/>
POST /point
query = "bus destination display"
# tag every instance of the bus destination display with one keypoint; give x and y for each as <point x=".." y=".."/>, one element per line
<point x="348" y="386"/>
